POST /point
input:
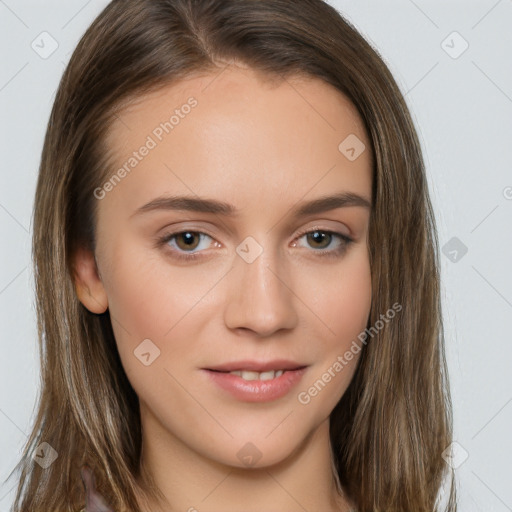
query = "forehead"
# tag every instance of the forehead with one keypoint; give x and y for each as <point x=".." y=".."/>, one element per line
<point x="237" y="133"/>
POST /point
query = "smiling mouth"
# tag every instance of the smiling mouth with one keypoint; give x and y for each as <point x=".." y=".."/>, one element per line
<point x="261" y="383"/>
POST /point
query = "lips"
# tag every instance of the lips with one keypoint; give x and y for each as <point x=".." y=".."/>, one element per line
<point x="256" y="381"/>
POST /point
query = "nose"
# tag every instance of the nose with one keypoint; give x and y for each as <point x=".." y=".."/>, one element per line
<point x="261" y="296"/>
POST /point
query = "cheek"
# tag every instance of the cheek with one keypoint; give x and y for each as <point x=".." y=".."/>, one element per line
<point x="149" y="296"/>
<point x="346" y="301"/>
<point x="343" y="307"/>
<point x="151" y="299"/>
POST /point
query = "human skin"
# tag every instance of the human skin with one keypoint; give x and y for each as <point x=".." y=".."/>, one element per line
<point x="264" y="148"/>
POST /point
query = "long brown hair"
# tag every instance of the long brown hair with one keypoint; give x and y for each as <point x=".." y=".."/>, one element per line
<point x="394" y="421"/>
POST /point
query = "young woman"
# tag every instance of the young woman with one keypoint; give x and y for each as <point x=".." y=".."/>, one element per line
<point x="236" y="270"/>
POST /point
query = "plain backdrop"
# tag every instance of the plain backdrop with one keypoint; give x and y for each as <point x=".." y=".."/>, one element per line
<point x="452" y="60"/>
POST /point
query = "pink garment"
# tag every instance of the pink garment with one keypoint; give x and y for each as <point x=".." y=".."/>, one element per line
<point x="94" y="501"/>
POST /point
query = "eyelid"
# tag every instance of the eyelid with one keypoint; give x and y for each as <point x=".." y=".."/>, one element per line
<point x="171" y="230"/>
<point x="346" y="241"/>
<point x="318" y="227"/>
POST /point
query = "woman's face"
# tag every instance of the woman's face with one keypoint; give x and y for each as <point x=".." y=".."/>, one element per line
<point x="257" y="292"/>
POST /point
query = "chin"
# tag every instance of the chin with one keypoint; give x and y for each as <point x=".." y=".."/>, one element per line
<point x="258" y="453"/>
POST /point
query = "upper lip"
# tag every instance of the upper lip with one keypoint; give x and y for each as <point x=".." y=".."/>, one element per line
<point x="257" y="366"/>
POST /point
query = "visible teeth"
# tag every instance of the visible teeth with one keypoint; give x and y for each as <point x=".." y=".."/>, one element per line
<point x="247" y="375"/>
<point x="250" y="375"/>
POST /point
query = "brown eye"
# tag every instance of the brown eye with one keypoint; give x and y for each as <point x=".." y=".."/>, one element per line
<point x="186" y="240"/>
<point x="185" y="244"/>
<point x="325" y="243"/>
<point x="319" y="238"/>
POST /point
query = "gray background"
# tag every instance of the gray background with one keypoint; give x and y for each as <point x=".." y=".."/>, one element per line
<point x="462" y="105"/>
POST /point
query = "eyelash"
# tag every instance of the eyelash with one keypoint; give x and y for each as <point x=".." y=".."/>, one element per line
<point x="332" y="253"/>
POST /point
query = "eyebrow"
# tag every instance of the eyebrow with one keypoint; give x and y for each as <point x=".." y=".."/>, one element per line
<point x="195" y="204"/>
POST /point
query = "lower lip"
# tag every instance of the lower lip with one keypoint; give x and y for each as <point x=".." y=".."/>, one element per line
<point x="257" y="390"/>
